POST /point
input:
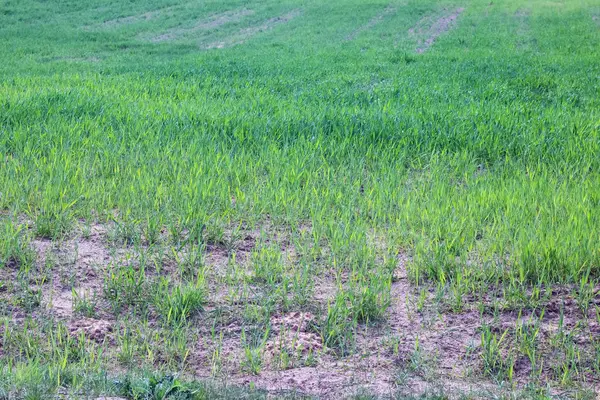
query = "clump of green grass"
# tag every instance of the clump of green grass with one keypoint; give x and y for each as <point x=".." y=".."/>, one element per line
<point x="176" y="306"/>
<point x="14" y="249"/>
<point x="84" y="304"/>
<point x="369" y="296"/>
<point x="28" y="298"/>
<point x="339" y="325"/>
<point x="52" y="224"/>
<point x="268" y="265"/>
<point x="253" y="346"/>
<point x="126" y="230"/>
<point x="498" y="362"/>
<point x="126" y="286"/>
<point x="348" y="309"/>
<point x="191" y="263"/>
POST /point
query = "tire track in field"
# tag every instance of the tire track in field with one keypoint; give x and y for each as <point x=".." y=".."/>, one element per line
<point x="428" y="31"/>
<point x="131" y="19"/>
<point x="245" y="34"/>
<point x="376" y="20"/>
<point x="524" y="41"/>
<point x="211" y="23"/>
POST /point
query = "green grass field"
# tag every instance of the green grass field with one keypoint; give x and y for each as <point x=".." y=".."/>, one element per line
<point x="208" y="199"/>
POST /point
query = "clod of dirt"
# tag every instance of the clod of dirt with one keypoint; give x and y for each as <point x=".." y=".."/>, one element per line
<point x="62" y="304"/>
<point x="295" y="322"/>
<point x="92" y="252"/>
<point x="41" y="247"/>
<point x="92" y="328"/>
<point x="297" y="343"/>
<point x="12" y="263"/>
<point x="292" y="336"/>
<point x="334" y="381"/>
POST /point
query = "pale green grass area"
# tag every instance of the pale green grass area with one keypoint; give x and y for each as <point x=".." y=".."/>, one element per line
<point x="192" y="174"/>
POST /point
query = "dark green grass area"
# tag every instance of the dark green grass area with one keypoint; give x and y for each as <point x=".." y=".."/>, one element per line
<point x="477" y="160"/>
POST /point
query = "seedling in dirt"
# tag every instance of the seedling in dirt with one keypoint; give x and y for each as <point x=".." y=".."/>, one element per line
<point x="393" y="343"/>
<point x="84" y="304"/>
<point x="217" y="354"/>
<point x="337" y="330"/>
<point x="29" y="297"/>
<point x="422" y="299"/>
<point x="152" y="229"/>
<point x="86" y="229"/>
<point x="15" y="252"/>
<point x="569" y="366"/>
<point x="302" y="286"/>
<point x="53" y="224"/>
<point x="527" y="338"/>
<point x="496" y="362"/>
<point x="253" y="353"/>
<point x="268" y="264"/>
<point x="596" y="355"/>
<point x="585" y="293"/>
<point x="127" y="346"/>
<point x="191" y="262"/>
<point x="176" y="346"/>
<point x="126" y="286"/>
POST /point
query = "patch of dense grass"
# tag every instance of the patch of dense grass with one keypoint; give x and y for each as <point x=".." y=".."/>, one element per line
<point x="476" y="161"/>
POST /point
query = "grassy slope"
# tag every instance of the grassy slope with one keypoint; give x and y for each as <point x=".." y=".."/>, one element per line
<point x="478" y="158"/>
<point x="296" y="110"/>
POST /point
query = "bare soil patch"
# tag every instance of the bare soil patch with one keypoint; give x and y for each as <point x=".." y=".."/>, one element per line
<point x="427" y="32"/>
<point x="292" y="335"/>
<point x="213" y="22"/>
<point x="372" y="22"/>
<point x="245" y="34"/>
<point x="93" y="329"/>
